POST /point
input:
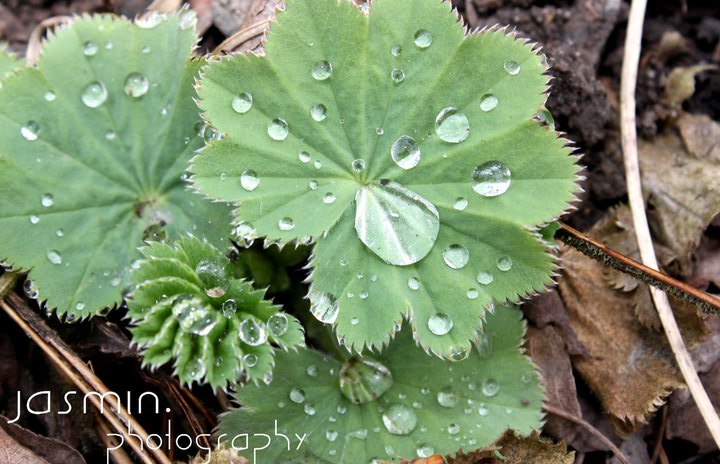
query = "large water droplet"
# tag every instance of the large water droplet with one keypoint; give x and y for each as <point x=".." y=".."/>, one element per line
<point x="94" y="94"/>
<point x="136" y="85"/>
<point x="252" y="332"/>
<point x="399" y="419"/>
<point x="30" y="131"/>
<point x="447" y="398"/>
<point x="321" y="70"/>
<point x="242" y="103"/>
<point x="490" y="387"/>
<point x="363" y="380"/>
<point x="451" y="125"/>
<point x="511" y="67"/>
<point x="324" y="307"/>
<point x="297" y="396"/>
<point x="505" y="263"/>
<point x="318" y="112"/>
<point x="440" y="324"/>
<point x="488" y="102"/>
<point x="423" y="38"/>
<point x="212" y="272"/>
<point x="249" y="180"/>
<point x="456" y="256"/>
<point x="278" y="129"/>
<point x="47" y="200"/>
<point x="90" y="48"/>
<point x="405" y="152"/>
<point x="286" y="224"/>
<point x="395" y="223"/>
<point x="277" y="324"/>
<point x="491" y="179"/>
<point x="54" y="257"/>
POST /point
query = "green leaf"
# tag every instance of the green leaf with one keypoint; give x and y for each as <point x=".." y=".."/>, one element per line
<point x="423" y="125"/>
<point x="8" y="60"/>
<point x="494" y="389"/>
<point x="188" y="305"/>
<point x="86" y="181"/>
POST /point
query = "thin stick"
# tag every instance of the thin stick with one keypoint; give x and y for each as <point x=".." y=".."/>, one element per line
<point x="241" y="36"/>
<point x="622" y="263"/>
<point x="118" y="454"/>
<point x="631" y="58"/>
<point x="587" y="426"/>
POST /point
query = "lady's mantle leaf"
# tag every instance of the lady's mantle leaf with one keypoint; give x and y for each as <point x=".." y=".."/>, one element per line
<point x="93" y="143"/>
<point x="188" y="305"/>
<point x="8" y="60"/>
<point x="418" y="184"/>
<point x="430" y="406"/>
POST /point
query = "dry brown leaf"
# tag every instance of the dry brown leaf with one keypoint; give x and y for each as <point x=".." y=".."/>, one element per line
<point x="511" y="449"/>
<point x="548" y="308"/>
<point x="21" y="446"/>
<point x="11" y="452"/>
<point x="220" y="456"/>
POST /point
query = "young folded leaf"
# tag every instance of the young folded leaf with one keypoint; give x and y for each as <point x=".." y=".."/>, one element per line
<point x="421" y="187"/>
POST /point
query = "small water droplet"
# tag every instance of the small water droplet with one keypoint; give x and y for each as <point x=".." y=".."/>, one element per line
<point x="511" y="67"/>
<point x="50" y="96"/>
<point x="34" y="219"/>
<point x="460" y="203"/>
<point x="318" y="112"/>
<point x="150" y="19"/>
<point x="405" y="152"/>
<point x="313" y="185"/>
<point x="484" y="278"/>
<point x="242" y="103"/>
<point x="451" y="125"/>
<point x="456" y="256"/>
<point x="250" y="360"/>
<point x="490" y="387"/>
<point x="277" y="324"/>
<point x="309" y="409"/>
<point x="453" y="429"/>
<point x="399" y="419"/>
<point x="321" y="70"/>
<point x="108" y="46"/>
<point x="423" y="38"/>
<point x="219" y="361"/>
<point x="297" y="396"/>
<point x="195" y="369"/>
<point x="397" y="75"/>
<point x="354" y="321"/>
<point x="472" y="294"/>
<point x="425" y="451"/>
<point x="440" y="324"/>
<point x="278" y="129"/>
<point x="60" y="233"/>
<point x="249" y="180"/>
<point x="136" y="85"/>
<point x="94" y="94"/>
<point x="54" y="257"/>
<point x="187" y="19"/>
<point x="396" y="50"/>
<point x="447" y="398"/>
<point x="229" y="308"/>
<point x="110" y="135"/>
<point x="505" y="263"/>
<point x="413" y="283"/>
<point x="312" y="370"/>
<point x="252" y="332"/>
<point x="358" y="165"/>
<point x="146" y="49"/>
<point x="30" y="131"/>
<point x="90" y="48"/>
<point x="329" y="198"/>
<point x="304" y="157"/>
<point x="488" y="102"/>
<point x="286" y="224"/>
<point x="491" y="179"/>
<point x="483" y="410"/>
<point x="324" y="307"/>
<point x="379" y="130"/>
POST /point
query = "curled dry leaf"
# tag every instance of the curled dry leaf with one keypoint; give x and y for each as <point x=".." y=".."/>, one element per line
<point x="511" y="449"/>
<point x="21" y="446"/>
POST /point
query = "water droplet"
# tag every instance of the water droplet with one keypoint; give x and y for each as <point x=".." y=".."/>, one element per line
<point x="440" y="324"/>
<point x="321" y="70"/>
<point x="136" y="85"/>
<point x="358" y="165"/>
<point x="405" y="152"/>
<point x="94" y="94"/>
<point x="195" y="370"/>
<point x="425" y="451"/>
<point x="491" y="179"/>
<point x="229" y="308"/>
<point x="460" y="203"/>
<point x="187" y="19"/>
<point x="210" y="134"/>
<point x="396" y="50"/>
<point x="505" y="263"/>
<point x="110" y="135"/>
<point x="278" y="129"/>
<point x="313" y="185"/>
<point x="30" y="289"/>
<point x="213" y="273"/>
<point x="379" y="130"/>
<point x="545" y="118"/>
<point x="50" y="96"/>
<point x="324" y="307"/>
<point x="60" y="233"/>
<point x="304" y="157"/>
<point x="218" y="361"/>
<point x="354" y="321"/>
<point x="252" y="332"/>
<point x="297" y="396"/>
<point x="484" y="278"/>
<point x="395" y="223"/>
<point x="150" y="19"/>
<point x="458" y="354"/>
<point x="242" y="103"/>
<point x="30" y="131"/>
<point x="146" y="49"/>
<point x="312" y="370"/>
<point x="90" y="48"/>
<point x="317" y="164"/>
<point x="484" y="345"/>
<point x="511" y="68"/>
<point x="329" y="198"/>
<point x="249" y="180"/>
<point x="456" y="256"/>
<point x="488" y="102"/>
<point x="277" y="324"/>
<point x="472" y="294"/>
<point x="452" y="126"/>
<point x="397" y="75"/>
<point x="363" y="295"/>
<point x="108" y="46"/>
<point x="309" y="409"/>
<point x="318" y="112"/>
<point x="413" y="283"/>
<point x="363" y="380"/>
<point x="399" y="419"/>
<point x="423" y="38"/>
<point x="447" y="398"/>
<point x="250" y="360"/>
<point x="54" y="257"/>
<point x="490" y="387"/>
<point x="453" y="429"/>
<point x="286" y="224"/>
<point x="483" y="411"/>
<point x="34" y="219"/>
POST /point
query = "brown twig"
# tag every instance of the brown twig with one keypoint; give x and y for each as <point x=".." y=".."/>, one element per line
<point x="587" y="426"/>
<point x="659" y="436"/>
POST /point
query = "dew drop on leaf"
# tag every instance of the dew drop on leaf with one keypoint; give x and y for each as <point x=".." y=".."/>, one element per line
<point x="460" y="203"/>
<point x="219" y="361"/>
<point x="286" y="224"/>
<point x="146" y="49"/>
<point x="278" y="129"/>
<point x="252" y="332"/>
<point x="213" y="274"/>
<point x="187" y="19"/>
<point x="490" y="387"/>
<point x="312" y="370"/>
<point x="277" y="324"/>
<point x="242" y="103"/>
<point x="317" y="164"/>
<point x="90" y="48"/>
<point x="488" y="102"/>
<point x="472" y="294"/>
<point x="505" y="263"/>
<point x="440" y="324"/>
<point x="195" y="370"/>
<point x="297" y="396"/>
<point x="405" y="152"/>
<point x="329" y="198"/>
<point x="423" y="38"/>
<point x="413" y="283"/>
<point x="318" y="112"/>
<point x="483" y="411"/>
<point x="331" y="435"/>
<point x="94" y="94"/>
<point x="309" y="409"/>
<point x="452" y="126"/>
<point x="396" y="50"/>
<point x="313" y="185"/>
<point x="321" y="70"/>
<point x="358" y="165"/>
<point x="304" y="157"/>
<point x="30" y="131"/>
<point x="395" y="223"/>
<point x="453" y="429"/>
<point x="456" y="256"/>
<point x="229" y="308"/>
<point x="150" y="20"/>
<point x="484" y="346"/>
<point x="80" y="306"/>
<point x="324" y="307"/>
<point x="484" y="278"/>
<point x="210" y="134"/>
<point x="448" y="398"/>
<point x="50" y="96"/>
<point x="34" y="219"/>
<point x="425" y="451"/>
<point x="250" y="360"/>
<point x="30" y="289"/>
<point x="511" y="68"/>
<point x="136" y="85"/>
<point x="249" y="180"/>
<point x="54" y="257"/>
<point x="354" y="321"/>
<point x="110" y="135"/>
<point x="379" y="131"/>
<point x="399" y="419"/>
<point x="491" y="179"/>
<point x="397" y="75"/>
<point x="60" y="233"/>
